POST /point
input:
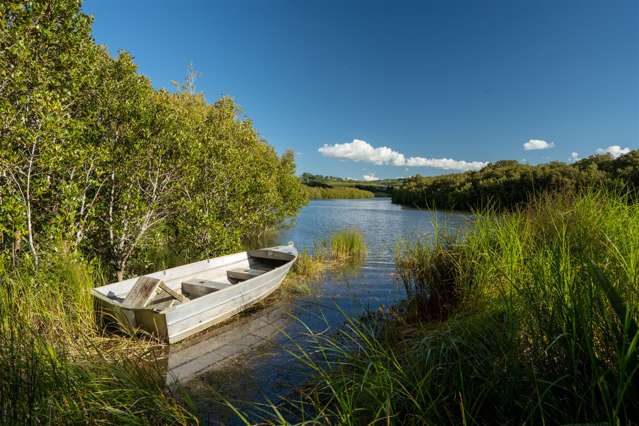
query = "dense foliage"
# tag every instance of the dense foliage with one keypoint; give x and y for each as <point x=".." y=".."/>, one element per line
<point x="320" y="180"/>
<point x="91" y="154"/>
<point x="506" y="184"/>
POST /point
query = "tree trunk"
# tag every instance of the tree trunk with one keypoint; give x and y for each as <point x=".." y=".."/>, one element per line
<point x="28" y="202"/>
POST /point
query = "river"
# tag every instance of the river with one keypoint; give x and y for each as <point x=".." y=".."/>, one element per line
<point x="248" y="358"/>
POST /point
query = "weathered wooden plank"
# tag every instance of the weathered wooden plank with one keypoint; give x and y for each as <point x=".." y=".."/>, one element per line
<point x="181" y="298"/>
<point x="179" y="273"/>
<point x="142" y="292"/>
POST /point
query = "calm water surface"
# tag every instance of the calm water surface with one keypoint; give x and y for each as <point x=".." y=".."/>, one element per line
<point x="248" y="359"/>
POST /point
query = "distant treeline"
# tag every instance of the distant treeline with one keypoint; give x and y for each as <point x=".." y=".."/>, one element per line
<point x="506" y="184"/>
<point x="319" y="180"/>
<point x="95" y="158"/>
<point x="329" y="193"/>
<point x="379" y="188"/>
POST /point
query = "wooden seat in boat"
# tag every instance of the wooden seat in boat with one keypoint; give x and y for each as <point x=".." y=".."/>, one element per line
<point x="243" y="274"/>
<point x="145" y="288"/>
<point x="197" y="287"/>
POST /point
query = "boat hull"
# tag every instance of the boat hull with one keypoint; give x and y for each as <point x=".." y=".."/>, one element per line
<point x="203" y="312"/>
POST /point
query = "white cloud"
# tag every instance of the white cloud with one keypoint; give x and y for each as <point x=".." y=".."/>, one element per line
<point x="535" y="144"/>
<point x="359" y="150"/>
<point x="614" y="150"/>
<point x="370" y="178"/>
<point x="574" y="156"/>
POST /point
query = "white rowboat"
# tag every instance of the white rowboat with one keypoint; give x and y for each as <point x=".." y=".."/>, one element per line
<point x="176" y="303"/>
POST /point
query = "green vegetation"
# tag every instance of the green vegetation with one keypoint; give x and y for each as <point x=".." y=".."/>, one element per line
<point x="57" y="368"/>
<point x="101" y="177"/>
<point x="348" y="245"/>
<point x="529" y="318"/>
<point x="343" y="249"/>
<point x="93" y="156"/>
<point x="507" y="184"/>
<point x="306" y="269"/>
<point x="330" y="193"/>
<point x="336" y="187"/>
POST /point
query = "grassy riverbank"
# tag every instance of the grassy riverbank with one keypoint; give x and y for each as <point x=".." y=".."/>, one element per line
<point x="531" y="317"/>
<point x="343" y="248"/>
<point x="58" y="368"/>
<point x="336" y="187"/>
<point x="333" y="193"/>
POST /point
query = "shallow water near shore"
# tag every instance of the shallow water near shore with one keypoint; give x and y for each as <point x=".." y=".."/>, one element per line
<point x="248" y="359"/>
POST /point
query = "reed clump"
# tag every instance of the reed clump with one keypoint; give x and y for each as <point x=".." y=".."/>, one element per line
<point x="348" y="245"/>
<point x="538" y="325"/>
<point x="430" y="276"/>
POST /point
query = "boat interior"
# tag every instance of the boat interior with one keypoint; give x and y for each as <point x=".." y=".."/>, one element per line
<point x="155" y="294"/>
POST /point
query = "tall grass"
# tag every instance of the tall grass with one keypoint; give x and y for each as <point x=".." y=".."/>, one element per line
<point x="348" y="244"/>
<point x="539" y="326"/>
<point x="57" y="368"/>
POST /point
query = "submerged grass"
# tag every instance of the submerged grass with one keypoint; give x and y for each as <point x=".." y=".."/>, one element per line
<point x="56" y="367"/>
<point x="529" y="318"/>
<point x="343" y="249"/>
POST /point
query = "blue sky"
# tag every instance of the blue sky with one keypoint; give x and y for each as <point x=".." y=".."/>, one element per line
<point x="468" y="81"/>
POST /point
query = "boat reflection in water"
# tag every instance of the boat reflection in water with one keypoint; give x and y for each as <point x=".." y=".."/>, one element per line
<point x="216" y="347"/>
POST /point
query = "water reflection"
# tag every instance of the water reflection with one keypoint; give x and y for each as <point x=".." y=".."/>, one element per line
<point x="215" y="348"/>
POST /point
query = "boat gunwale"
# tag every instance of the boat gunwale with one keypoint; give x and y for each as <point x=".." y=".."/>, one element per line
<point x="96" y="293"/>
